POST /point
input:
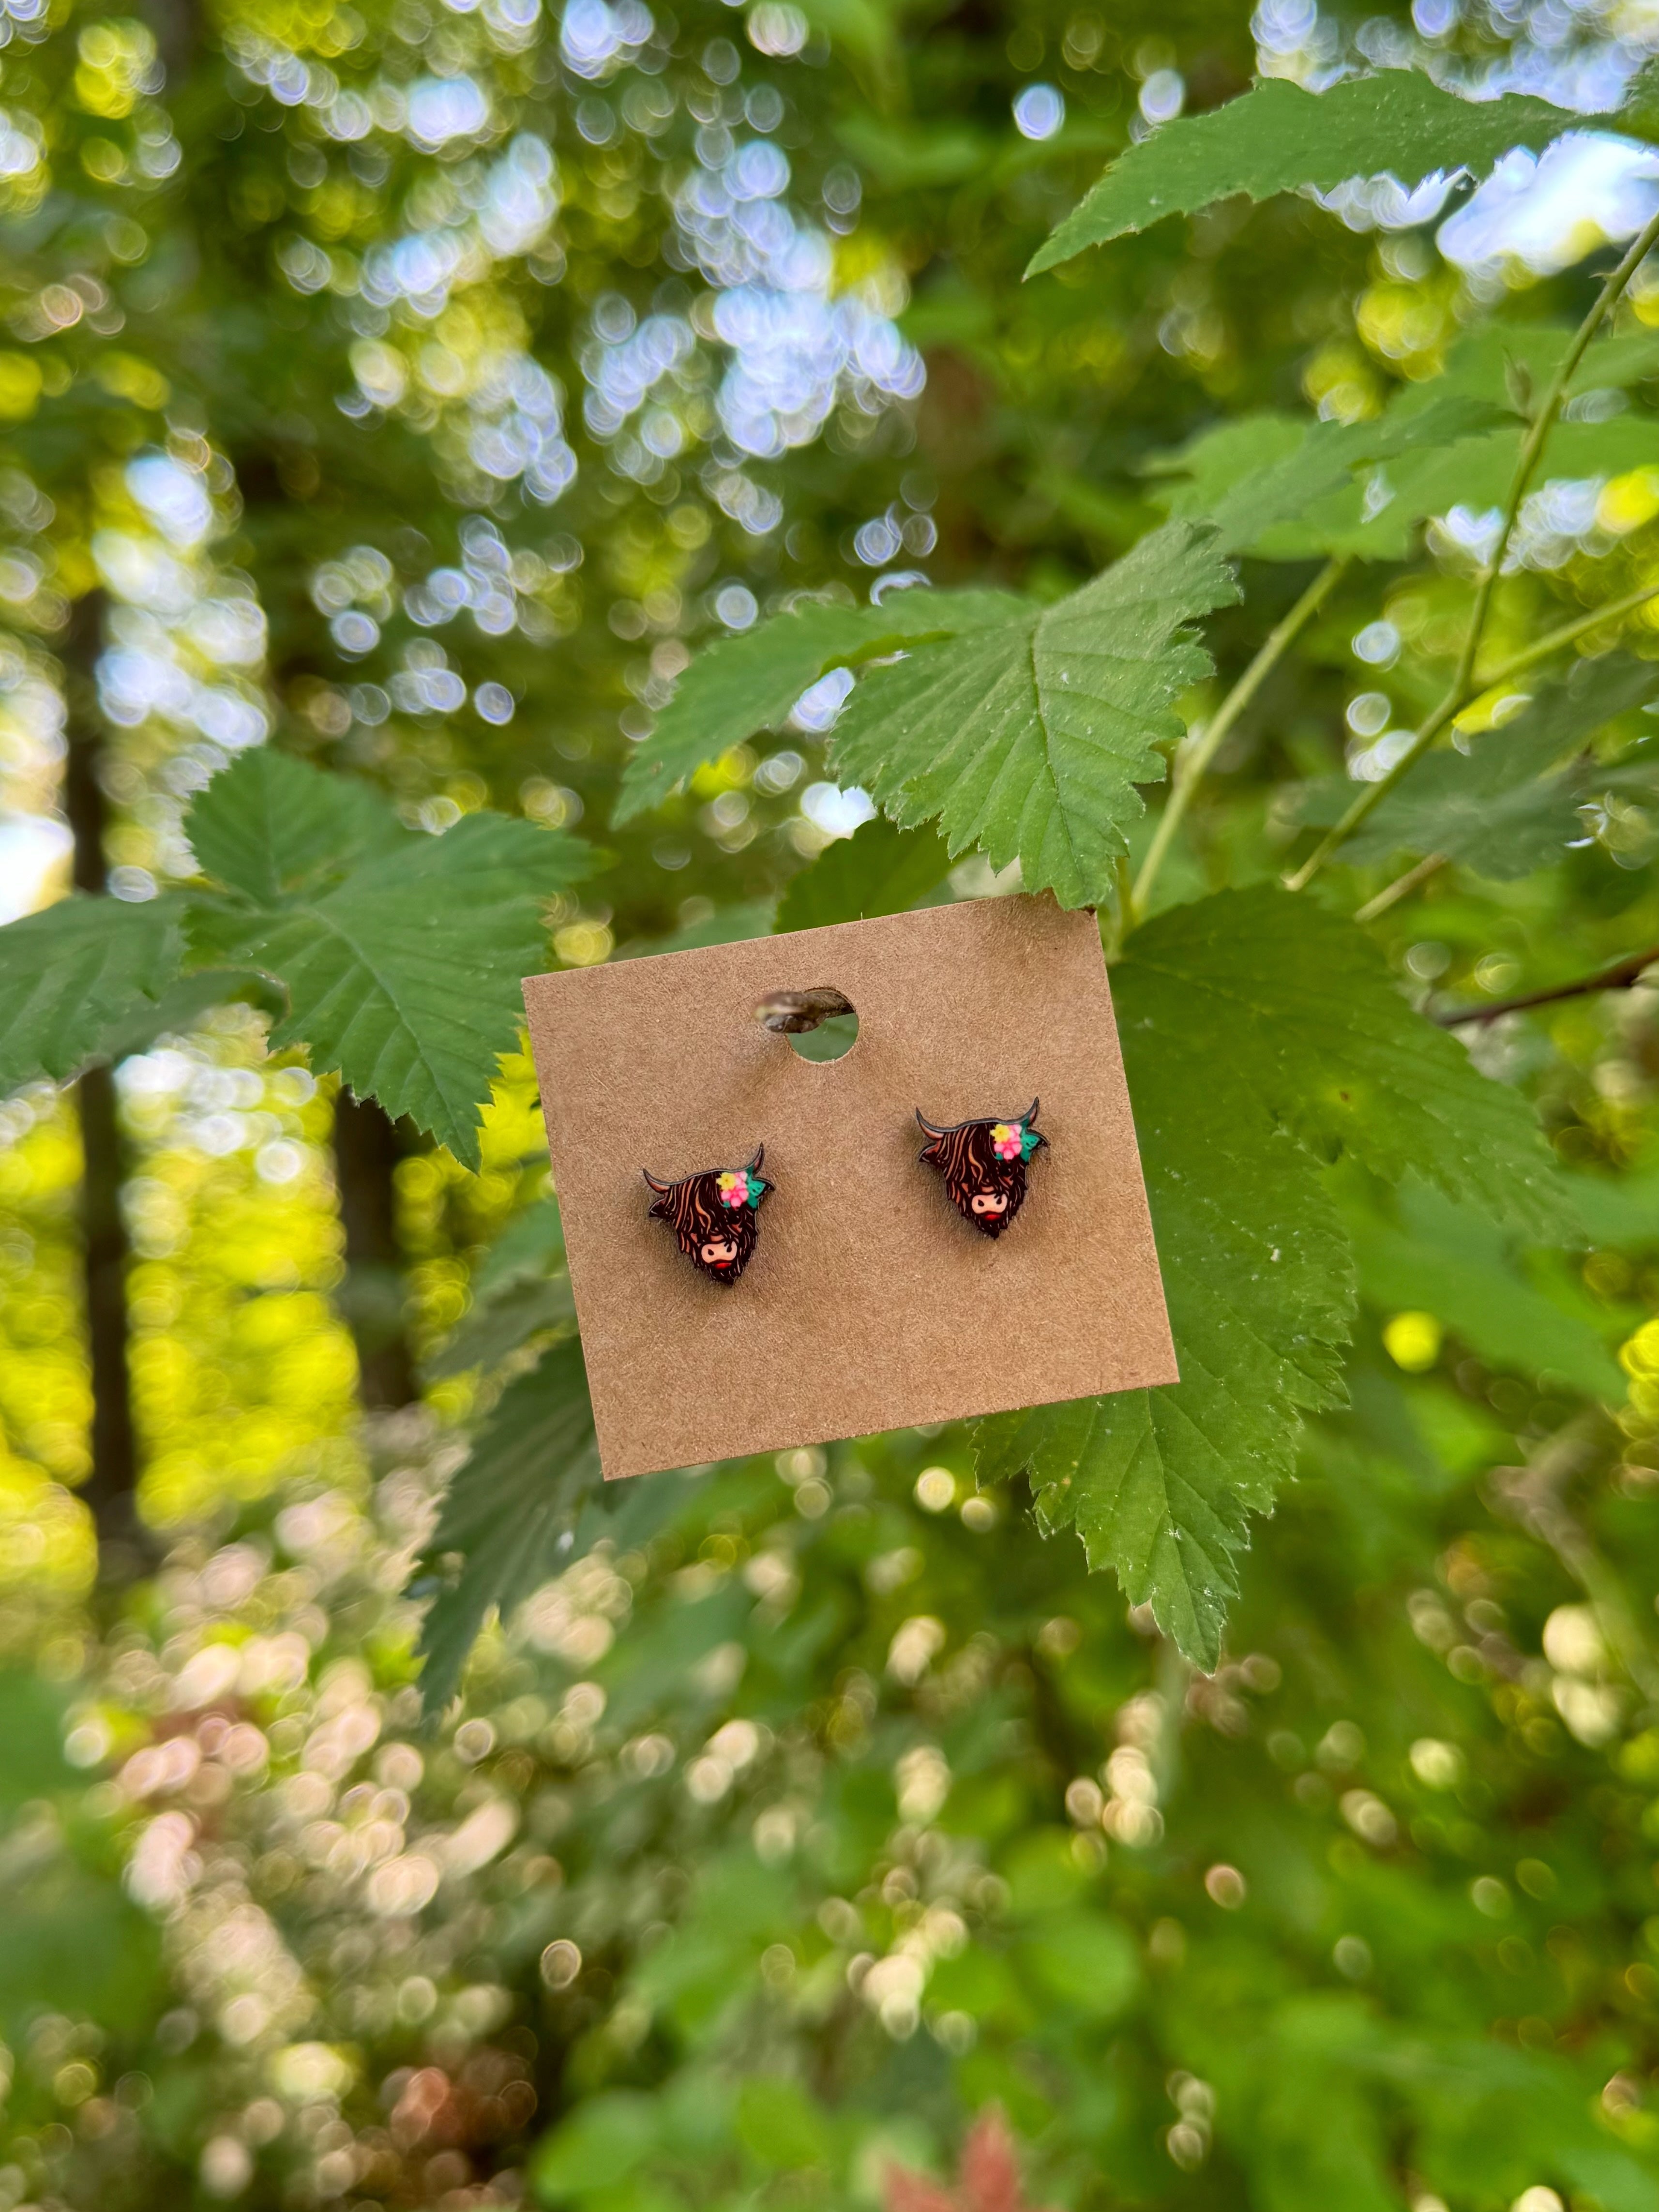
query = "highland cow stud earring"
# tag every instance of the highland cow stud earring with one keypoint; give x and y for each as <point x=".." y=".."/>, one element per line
<point x="712" y="1216"/>
<point x="984" y="1164"/>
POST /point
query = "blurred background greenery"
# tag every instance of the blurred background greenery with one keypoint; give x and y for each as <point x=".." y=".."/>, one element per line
<point x="405" y="382"/>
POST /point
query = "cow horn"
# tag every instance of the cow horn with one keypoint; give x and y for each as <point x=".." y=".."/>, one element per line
<point x="932" y="1128"/>
<point x="661" y="1189"/>
<point x="1029" y="1117"/>
<point x="755" y="1164"/>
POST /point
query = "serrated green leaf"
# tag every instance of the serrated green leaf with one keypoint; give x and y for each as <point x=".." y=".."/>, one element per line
<point x="879" y="869"/>
<point x="1160" y="1484"/>
<point x="1496" y="808"/>
<point x="750" y="682"/>
<point x="75" y="971"/>
<point x="1302" y="1003"/>
<point x="269" y="825"/>
<point x="1283" y="488"/>
<point x="1277" y="138"/>
<point x="1027" y="736"/>
<point x="509" y="1511"/>
<point x="1445" y="1261"/>
<point x="183" y="1004"/>
<point x="405" y="976"/>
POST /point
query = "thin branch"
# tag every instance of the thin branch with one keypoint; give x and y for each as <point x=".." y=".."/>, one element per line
<point x="1621" y="976"/>
<point x="1552" y="641"/>
<point x="1401" y="887"/>
<point x="1373" y="795"/>
<point x="1464" y="681"/>
<point x="1185" y="777"/>
<point x="1543" y="423"/>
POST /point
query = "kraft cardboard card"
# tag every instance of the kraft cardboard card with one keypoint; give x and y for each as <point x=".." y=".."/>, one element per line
<point x="869" y="1302"/>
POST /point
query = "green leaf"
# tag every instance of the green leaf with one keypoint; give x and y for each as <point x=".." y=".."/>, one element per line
<point x="530" y="1247"/>
<point x="1510" y="363"/>
<point x="1494" y="808"/>
<point x="596" y="2146"/>
<point x="1083" y="1960"/>
<point x="510" y="1512"/>
<point x="915" y="157"/>
<point x="1254" y="1025"/>
<point x="1302" y="1004"/>
<point x="727" y="925"/>
<point x="521" y="1289"/>
<point x="74" y="973"/>
<point x="1027" y="736"/>
<point x="867" y="32"/>
<point x="182" y="1006"/>
<point x="504" y="1322"/>
<point x="1447" y="1261"/>
<point x="1160" y="1484"/>
<point x="1282" y="487"/>
<point x="879" y="869"/>
<point x="1316" y="2139"/>
<point x="1478" y="472"/>
<point x="750" y="682"/>
<point x="779" y="2127"/>
<point x="269" y="825"/>
<point x="406" y="975"/>
<point x="1277" y="138"/>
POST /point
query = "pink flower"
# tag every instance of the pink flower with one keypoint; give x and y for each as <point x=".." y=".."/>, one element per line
<point x="1004" y="1140"/>
<point x="734" y="1188"/>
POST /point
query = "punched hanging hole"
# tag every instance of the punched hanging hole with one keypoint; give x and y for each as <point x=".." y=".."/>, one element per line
<point x="833" y="1039"/>
<point x="821" y="1023"/>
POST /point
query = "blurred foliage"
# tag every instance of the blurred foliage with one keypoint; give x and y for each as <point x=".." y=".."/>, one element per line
<point x="416" y="388"/>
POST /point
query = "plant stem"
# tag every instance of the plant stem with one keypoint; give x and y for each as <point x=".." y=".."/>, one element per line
<point x="1401" y="887"/>
<point x="1373" y="795"/>
<point x="1462" y="684"/>
<point x="1184" y="778"/>
<point x="1543" y="423"/>
<point x="1620" y="976"/>
<point x="1535" y="1494"/>
<point x="1120" y="923"/>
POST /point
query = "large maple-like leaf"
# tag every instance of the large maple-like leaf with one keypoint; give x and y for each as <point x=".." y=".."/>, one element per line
<point x="1302" y="1004"/>
<point x="1027" y="736"/>
<point x="1160" y="1485"/>
<point x="750" y="682"/>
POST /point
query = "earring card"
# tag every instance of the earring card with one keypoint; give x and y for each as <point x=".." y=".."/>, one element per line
<point x="869" y="1303"/>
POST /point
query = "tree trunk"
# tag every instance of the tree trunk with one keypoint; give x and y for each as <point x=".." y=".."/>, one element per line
<point x="366" y="1151"/>
<point x="111" y="1490"/>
